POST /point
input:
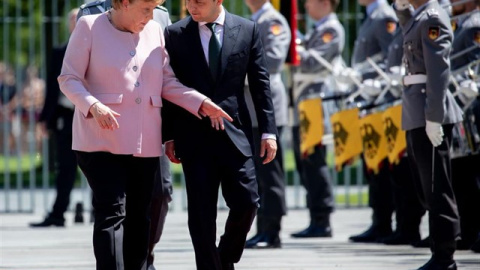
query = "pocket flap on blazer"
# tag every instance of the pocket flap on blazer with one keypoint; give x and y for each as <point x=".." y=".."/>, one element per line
<point x="110" y="98"/>
<point x="156" y="101"/>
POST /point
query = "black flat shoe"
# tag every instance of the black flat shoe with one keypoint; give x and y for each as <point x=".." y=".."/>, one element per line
<point x="434" y="264"/>
<point x="314" y="231"/>
<point x="264" y="241"/>
<point x="49" y="221"/>
<point x="372" y="235"/>
<point x="400" y="239"/>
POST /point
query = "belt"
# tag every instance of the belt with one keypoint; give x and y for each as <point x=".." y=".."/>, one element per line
<point x="414" y="79"/>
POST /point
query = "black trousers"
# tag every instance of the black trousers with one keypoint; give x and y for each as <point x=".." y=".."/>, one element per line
<point x="316" y="178"/>
<point x="433" y="182"/>
<point x="121" y="230"/>
<point x="162" y="190"/>
<point x="218" y="162"/>
<point x="67" y="163"/>
<point x="408" y="208"/>
<point x="271" y="187"/>
<point x="380" y="195"/>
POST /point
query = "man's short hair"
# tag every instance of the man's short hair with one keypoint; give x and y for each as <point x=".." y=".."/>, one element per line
<point x="335" y="4"/>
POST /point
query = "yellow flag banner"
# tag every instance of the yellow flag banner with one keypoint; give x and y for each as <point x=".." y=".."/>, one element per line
<point x="374" y="141"/>
<point x="311" y="123"/>
<point x="396" y="141"/>
<point x="346" y="136"/>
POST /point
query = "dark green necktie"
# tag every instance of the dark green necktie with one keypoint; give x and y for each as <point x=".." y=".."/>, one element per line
<point x="213" y="51"/>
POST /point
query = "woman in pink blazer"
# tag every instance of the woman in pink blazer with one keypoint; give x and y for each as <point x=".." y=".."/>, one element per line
<point x="116" y="72"/>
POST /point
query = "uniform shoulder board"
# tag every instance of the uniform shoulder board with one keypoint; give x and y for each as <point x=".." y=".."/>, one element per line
<point x="85" y="8"/>
<point x="162" y="8"/>
<point x="432" y="12"/>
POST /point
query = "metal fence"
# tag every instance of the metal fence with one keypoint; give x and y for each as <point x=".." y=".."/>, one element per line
<point x="29" y="29"/>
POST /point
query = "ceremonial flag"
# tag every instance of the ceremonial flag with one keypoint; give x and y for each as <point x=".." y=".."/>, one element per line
<point x="311" y="123"/>
<point x="373" y="140"/>
<point x="395" y="136"/>
<point x="346" y="136"/>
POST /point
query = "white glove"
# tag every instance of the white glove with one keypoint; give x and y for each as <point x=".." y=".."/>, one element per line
<point x="371" y="87"/>
<point x="469" y="89"/>
<point x="434" y="133"/>
<point x="401" y="4"/>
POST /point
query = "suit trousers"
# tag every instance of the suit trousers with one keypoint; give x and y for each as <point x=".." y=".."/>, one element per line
<point x="121" y="230"/>
<point x="433" y="182"/>
<point x="315" y="177"/>
<point x="219" y="162"/>
<point x="271" y="187"/>
<point x="66" y="161"/>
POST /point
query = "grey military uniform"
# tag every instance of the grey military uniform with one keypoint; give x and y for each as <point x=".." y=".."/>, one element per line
<point x="275" y="35"/>
<point x="430" y="101"/>
<point x="373" y="38"/>
<point x="327" y="39"/>
<point x="466" y="34"/>
<point x="427" y="43"/>
<point x="395" y="51"/>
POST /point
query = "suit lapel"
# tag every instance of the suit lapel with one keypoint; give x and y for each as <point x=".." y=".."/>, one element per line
<point x="230" y="34"/>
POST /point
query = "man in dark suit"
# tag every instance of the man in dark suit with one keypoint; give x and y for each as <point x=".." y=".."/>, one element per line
<point x="57" y="116"/>
<point x="212" y="157"/>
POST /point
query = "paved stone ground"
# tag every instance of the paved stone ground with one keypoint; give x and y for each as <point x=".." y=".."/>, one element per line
<point x="70" y="248"/>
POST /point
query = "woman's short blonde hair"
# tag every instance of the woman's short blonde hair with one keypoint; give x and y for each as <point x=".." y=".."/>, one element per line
<point x="116" y="3"/>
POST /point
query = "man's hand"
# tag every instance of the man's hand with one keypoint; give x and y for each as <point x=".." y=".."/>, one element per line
<point x="104" y="116"/>
<point x="434" y="133"/>
<point x="170" y="152"/>
<point x="401" y="4"/>
<point x="270" y="147"/>
<point x="371" y="87"/>
<point x="216" y="114"/>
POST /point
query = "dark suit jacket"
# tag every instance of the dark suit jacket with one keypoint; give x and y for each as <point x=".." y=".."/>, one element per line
<point x="51" y="109"/>
<point x="242" y="54"/>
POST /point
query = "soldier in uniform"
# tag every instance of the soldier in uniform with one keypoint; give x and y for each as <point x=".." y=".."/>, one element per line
<point x="163" y="179"/>
<point x="57" y="116"/>
<point x="275" y="35"/>
<point x="428" y="115"/>
<point x="327" y="39"/>
<point x="408" y="209"/>
<point x="466" y="36"/>
<point x="374" y="36"/>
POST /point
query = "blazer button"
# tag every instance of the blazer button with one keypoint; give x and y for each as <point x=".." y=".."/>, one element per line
<point x="137" y="84"/>
<point x="135" y="68"/>
<point x="423" y="91"/>
<point x="132" y="53"/>
<point x="138" y="100"/>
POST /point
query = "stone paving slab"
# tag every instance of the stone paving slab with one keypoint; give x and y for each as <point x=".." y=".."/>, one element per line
<point x="70" y="248"/>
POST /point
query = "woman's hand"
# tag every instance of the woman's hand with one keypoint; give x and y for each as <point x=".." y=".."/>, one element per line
<point x="104" y="116"/>
<point x="216" y="114"/>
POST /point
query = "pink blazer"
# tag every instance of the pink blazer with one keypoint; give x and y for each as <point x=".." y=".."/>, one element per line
<point x="130" y="73"/>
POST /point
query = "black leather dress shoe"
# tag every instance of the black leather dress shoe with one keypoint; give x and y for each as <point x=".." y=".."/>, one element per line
<point x="314" y="231"/>
<point x="372" y="235"/>
<point x="49" y="221"/>
<point x="424" y="243"/>
<point x="264" y="241"/>
<point x="254" y="240"/>
<point x="476" y="246"/>
<point x="400" y="239"/>
<point x="227" y="266"/>
<point x="434" y="264"/>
